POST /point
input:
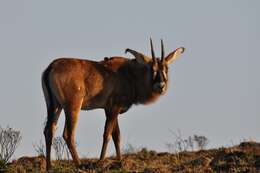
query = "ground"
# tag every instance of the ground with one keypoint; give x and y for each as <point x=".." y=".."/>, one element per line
<point x="244" y="157"/>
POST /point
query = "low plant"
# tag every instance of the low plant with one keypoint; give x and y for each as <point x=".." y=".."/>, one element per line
<point x="39" y="148"/>
<point x="60" y="148"/>
<point x="190" y="143"/>
<point x="130" y="148"/>
<point x="9" y="141"/>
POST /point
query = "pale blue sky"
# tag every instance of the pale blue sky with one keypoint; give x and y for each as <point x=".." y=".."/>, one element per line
<point x="214" y="86"/>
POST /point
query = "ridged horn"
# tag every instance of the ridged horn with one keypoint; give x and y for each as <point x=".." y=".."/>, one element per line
<point x="139" y="56"/>
<point x="152" y="50"/>
<point x="162" y="49"/>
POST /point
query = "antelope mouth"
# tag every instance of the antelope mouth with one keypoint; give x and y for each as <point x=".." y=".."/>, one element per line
<point x="159" y="88"/>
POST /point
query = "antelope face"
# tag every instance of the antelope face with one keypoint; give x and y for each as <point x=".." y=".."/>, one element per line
<point x="158" y="66"/>
<point x="159" y="76"/>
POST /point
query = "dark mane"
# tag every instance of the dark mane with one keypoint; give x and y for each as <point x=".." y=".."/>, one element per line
<point x="135" y="82"/>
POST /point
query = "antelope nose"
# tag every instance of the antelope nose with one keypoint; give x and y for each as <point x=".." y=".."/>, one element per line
<point x="162" y="85"/>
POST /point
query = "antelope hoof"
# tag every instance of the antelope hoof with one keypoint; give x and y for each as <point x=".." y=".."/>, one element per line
<point x="48" y="168"/>
<point x="100" y="162"/>
<point x="119" y="158"/>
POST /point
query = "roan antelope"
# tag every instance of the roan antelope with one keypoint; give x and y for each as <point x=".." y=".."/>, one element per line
<point x="113" y="84"/>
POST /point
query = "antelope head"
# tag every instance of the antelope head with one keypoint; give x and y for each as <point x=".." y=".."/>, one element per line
<point x="158" y="66"/>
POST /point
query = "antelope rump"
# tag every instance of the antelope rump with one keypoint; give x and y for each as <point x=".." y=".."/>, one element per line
<point x="113" y="84"/>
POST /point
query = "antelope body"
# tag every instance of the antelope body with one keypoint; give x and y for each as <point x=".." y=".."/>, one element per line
<point x="113" y="84"/>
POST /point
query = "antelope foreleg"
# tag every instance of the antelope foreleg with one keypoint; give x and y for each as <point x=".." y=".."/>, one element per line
<point x="107" y="136"/>
<point x="116" y="139"/>
<point x="110" y="126"/>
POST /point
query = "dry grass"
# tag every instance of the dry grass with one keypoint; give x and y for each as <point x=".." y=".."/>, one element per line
<point x="241" y="158"/>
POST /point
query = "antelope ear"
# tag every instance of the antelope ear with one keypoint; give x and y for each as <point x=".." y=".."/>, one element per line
<point x="139" y="56"/>
<point x="172" y="56"/>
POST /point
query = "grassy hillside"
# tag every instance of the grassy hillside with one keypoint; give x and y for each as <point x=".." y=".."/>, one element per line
<point x="241" y="158"/>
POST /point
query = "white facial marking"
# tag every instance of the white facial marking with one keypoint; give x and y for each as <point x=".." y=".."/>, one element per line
<point x="164" y="75"/>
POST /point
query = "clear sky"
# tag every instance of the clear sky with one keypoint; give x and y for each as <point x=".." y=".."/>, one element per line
<point x="214" y="86"/>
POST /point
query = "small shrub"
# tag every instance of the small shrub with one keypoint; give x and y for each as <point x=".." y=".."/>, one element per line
<point x="202" y="141"/>
<point x="2" y="164"/>
<point x="60" y="148"/>
<point x="181" y="144"/>
<point x="190" y="143"/>
<point x="130" y="149"/>
<point x="9" y="141"/>
<point x="145" y="154"/>
<point x="39" y="148"/>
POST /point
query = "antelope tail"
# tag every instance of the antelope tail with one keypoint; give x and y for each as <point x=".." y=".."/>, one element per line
<point x="46" y="88"/>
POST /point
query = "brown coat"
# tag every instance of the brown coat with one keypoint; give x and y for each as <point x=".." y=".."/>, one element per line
<point x="113" y="84"/>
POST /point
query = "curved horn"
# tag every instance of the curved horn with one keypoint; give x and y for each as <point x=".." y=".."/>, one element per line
<point x="139" y="56"/>
<point x="162" y="49"/>
<point x="153" y="55"/>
